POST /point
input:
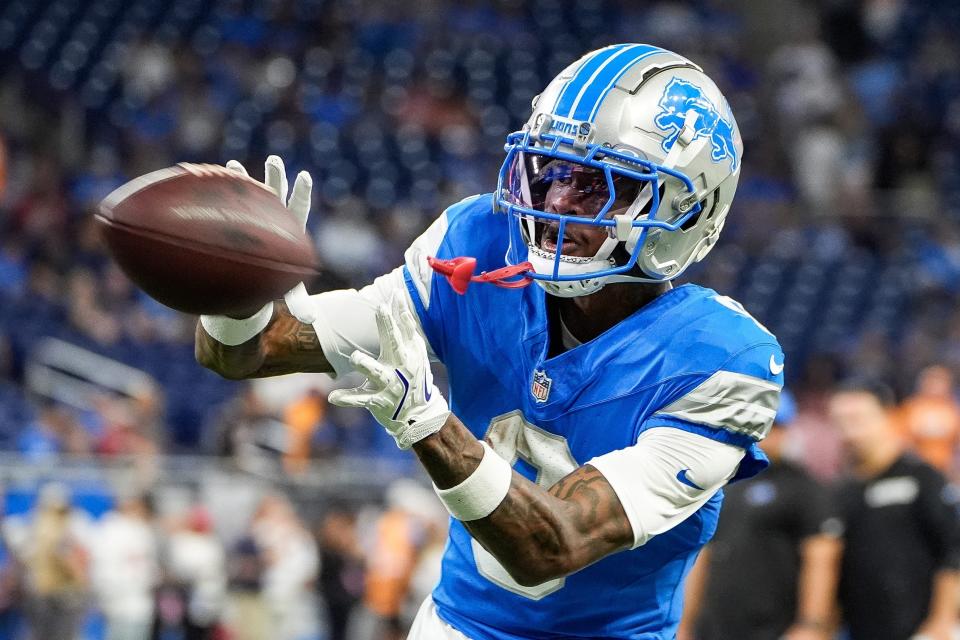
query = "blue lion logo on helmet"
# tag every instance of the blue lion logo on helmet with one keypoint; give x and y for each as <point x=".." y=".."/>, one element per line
<point x="682" y="96"/>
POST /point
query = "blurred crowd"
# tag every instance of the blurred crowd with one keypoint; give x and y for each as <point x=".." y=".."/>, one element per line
<point x="139" y="572"/>
<point x="843" y="241"/>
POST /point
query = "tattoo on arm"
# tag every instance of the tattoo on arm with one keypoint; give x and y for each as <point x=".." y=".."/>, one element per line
<point x="285" y="346"/>
<point x="291" y="346"/>
<point x="537" y="534"/>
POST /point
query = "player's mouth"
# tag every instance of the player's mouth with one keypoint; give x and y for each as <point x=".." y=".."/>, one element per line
<point x="573" y="243"/>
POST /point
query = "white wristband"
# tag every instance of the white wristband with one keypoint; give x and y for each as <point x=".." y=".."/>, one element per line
<point x="231" y="332"/>
<point x="300" y="305"/>
<point x="482" y="491"/>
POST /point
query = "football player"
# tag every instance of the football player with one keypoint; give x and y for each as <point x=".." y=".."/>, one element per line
<point x="593" y="419"/>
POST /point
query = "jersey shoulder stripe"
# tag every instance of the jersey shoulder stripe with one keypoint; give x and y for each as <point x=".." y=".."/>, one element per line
<point x="732" y="401"/>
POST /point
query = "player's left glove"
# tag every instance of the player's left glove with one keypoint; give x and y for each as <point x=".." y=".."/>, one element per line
<point x="399" y="389"/>
<point x="275" y="177"/>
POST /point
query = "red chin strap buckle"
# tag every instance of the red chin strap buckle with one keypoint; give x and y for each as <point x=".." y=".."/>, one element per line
<point x="459" y="273"/>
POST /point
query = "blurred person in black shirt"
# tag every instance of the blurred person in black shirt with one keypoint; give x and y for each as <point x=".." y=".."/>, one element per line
<point x="770" y="571"/>
<point x="341" y="569"/>
<point x="898" y="578"/>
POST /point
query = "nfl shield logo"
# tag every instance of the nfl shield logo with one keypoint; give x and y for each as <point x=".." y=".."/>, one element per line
<point x="541" y="386"/>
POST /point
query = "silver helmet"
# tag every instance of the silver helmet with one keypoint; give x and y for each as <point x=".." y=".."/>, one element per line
<point x="632" y="140"/>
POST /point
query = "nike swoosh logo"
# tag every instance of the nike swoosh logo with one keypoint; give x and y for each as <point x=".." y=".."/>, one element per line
<point x="775" y="369"/>
<point x="682" y="477"/>
<point x="406" y="389"/>
<point x="427" y="387"/>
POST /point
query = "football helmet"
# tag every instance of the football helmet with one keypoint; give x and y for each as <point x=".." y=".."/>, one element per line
<point x="631" y="140"/>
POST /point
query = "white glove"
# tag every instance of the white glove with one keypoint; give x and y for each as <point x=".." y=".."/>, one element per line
<point x="275" y="177"/>
<point x="399" y="389"/>
<point x="232" y="331"/>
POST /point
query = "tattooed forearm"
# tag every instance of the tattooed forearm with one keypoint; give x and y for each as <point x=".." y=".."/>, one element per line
<point x="449" y="455"/>
<point x="291" y="346"/>
<point x="536" y="533"/>
<point x="285" y="346"/>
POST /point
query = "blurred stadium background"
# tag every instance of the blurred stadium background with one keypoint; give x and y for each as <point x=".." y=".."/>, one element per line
<point x="844" y="241"/>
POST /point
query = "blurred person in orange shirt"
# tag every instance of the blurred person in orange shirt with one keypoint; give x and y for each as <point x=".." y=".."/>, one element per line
<point x="929" y="420"/>
<point x="401" y="533"/>
<point x="426" y="572"/>
<point x="302" y="418"/>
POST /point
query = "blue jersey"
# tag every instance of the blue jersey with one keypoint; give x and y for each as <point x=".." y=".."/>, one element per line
<point x="675" y="362"/>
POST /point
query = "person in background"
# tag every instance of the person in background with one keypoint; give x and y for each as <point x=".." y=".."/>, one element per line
<point x="930" y="419"/>
<point x="777" y="537"/>
<point x="290" y="569"/>
<point x="901" y="554"/>
<point x="401" y="532"/>
<point x="197" y="562"/>
<point x="341" y="569"/>
<point x="125" y="569"/>
<point x="248" y="434"/>
<point x="56" y="562"/>
<point x="302" y="418"/>
<point x="247" y="613"/>
<point x="426" y="572"/>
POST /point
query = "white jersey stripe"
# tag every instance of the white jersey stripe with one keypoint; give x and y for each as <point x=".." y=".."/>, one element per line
<point x="415" y="257"/>
<point x="732" y="401"/>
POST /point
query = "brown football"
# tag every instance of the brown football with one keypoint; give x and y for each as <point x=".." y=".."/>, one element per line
<point x="205" y="239"/>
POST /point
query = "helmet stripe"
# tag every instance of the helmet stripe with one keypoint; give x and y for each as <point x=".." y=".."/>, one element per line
<point x="581" y="77"/>
<point x="593" y="94"/>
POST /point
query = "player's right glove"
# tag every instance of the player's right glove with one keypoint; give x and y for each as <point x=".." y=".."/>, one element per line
<point x="399" y="390"/>
<point x="231" y="331"/>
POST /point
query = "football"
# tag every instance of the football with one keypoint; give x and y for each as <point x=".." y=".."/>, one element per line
<point x="205" y="239"/>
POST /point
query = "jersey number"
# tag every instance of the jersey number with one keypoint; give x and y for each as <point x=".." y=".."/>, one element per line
<point x="512" y="437"/>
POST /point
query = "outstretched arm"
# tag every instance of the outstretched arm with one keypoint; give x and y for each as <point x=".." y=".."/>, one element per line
<point x="285" y="346"/>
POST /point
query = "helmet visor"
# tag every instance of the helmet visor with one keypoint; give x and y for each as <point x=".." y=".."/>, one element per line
<point x="579" y="196"/>
<point x="569" y="188"/>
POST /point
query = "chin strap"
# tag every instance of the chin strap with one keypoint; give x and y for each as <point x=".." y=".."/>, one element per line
<point x="459" y="273"/>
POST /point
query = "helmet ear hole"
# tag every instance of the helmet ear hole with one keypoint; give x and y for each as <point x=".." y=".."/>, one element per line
<point x="708" y="206"/>
<point x="713" y="205"/>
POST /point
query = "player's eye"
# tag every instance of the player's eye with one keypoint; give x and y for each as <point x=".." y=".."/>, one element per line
<point x="560" y="175"/>
<point x="558" y="172"/>
<point x="597" y="185"/>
